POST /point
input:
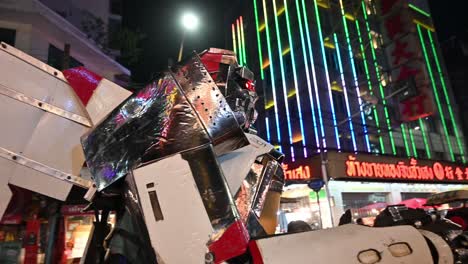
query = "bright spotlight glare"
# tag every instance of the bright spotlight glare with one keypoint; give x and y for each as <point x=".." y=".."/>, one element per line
<point x="189" y="21"/>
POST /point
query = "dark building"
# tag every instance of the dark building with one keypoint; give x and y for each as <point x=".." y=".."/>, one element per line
<point x="455" y="53"/>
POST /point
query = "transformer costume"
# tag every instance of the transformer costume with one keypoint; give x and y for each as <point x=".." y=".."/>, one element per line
<point x="181" y="166"/>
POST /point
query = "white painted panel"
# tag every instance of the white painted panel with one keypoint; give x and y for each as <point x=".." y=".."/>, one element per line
<point x="34" y="82"/>
<point x="343" y="244"/>
<point x="17" y="123"/>
<point x="105" y="98"/>
<point x="182" y="236"/>
<point x="35" y="181"/>
<point x="236" y="164"/>
<point x="56" y="143"/>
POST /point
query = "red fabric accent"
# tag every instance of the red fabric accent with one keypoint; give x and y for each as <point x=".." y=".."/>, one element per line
<point x="460" y="221"/>
<point x="83" y="81"/>
<point x="255" y="252"/>
<point x="400" y="52"/>
<point x="31" y="242"/>
<point x="211" y="62"/>
<point x="231" y="244"/>
<point x="394" y="26"/>
<point x="415" y="108"/>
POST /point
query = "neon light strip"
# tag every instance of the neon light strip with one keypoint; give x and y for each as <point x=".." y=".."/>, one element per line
<point x="283" y="80"/>
<point x="351" y="59"/>
<point x="403" y="133"/>
<point x="272" y="73"/>
<point x="447" y="99"/>
<point x="422" y="12"/>
<point x="366" y="69"/>
<point x="243" y="41"/>
<point x="377" y="72"/>
<point x="260" y="57"/>
<point x="239" y="43"/>
<point x="424" y="25"/>
<point x="267" y="129"/>
<point x="314" y="78"/>
<point x="332" y="108"/>
<point x="426" y="143"/>
<point x="234" y="39"/>
<point x="345" y="92"/>
<point x="435" y="92"/>
<point x="415" y="151"/>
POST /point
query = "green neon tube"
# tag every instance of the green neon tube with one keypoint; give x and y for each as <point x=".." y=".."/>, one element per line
<point x="366" y="69"/>
<point x="244" y="50"/>
<point x="447" y="99"/>
<point x="239" y="43"/>
<point x="377" y="72"/>
<point x="436" y="95"/>
<point x="272" y="74"/>
<point x="403" y="133"/>
<point x="259" y="45"/>
<point x="283" y="80"/>
<point x="422" y="12"/>
<point x="415" y="150"/>
<point x="426" y="143"/>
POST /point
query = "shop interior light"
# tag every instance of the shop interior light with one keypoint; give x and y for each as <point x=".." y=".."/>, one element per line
<point x="447" y="98"/>
<point x="259" y="42"/>
<point x="353" y="70"/>
<point x="435" y="92"/>
<point x="272" y="73"/>
<point x="283" y="80"/>
<point x="327" y="77"/>
<point x="296" y="84"/>
<point x="345" y="93"/>
<point x="377" y="72"/>
<point x="417" y="128"/>
<point x="369" y="84"/>
<point x="321" y="134"/>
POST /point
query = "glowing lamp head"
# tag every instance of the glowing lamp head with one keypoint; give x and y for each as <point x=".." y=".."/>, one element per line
<point x="189" y="21"/>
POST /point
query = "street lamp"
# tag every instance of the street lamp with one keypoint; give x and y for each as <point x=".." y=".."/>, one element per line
<point x="189" y="23"/>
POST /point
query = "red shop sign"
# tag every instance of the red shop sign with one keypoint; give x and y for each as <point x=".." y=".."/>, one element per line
<point x="433" y="171"/>
<point x="299" y="173"/>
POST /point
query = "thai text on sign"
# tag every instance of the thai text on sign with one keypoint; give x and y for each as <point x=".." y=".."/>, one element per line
<point x="299" y="173"/>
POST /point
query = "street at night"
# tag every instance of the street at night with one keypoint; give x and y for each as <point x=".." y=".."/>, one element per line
<point x="233" y="132"/>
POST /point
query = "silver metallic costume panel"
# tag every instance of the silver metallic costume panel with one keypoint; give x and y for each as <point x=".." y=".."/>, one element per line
<point x="180" y="111"/>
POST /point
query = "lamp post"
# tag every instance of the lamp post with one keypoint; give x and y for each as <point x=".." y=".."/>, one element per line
<point x="189" y="23"/>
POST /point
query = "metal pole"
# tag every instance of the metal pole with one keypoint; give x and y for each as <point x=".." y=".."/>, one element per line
<point x="181" y="50"/>
<point x="325" y="180"/>
<point x="53" y="219"/>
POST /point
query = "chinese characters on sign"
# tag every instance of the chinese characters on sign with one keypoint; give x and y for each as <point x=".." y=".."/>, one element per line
<point x="300" y="173"/>
<point x="403" y="55"/>
<point x="400" y="170"/>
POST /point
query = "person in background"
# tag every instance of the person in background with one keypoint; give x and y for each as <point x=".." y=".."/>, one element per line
<point x="298" y="226"/>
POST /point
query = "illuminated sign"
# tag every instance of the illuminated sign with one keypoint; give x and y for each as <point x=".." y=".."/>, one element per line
<point x="299" y="173"/>
<point x="404" y="59"/>
<point x="403" y="170"/>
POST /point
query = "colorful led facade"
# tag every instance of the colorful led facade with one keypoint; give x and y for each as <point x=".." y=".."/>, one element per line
<point x="321" y="66"/>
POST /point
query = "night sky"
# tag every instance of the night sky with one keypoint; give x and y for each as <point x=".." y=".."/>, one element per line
<point x="159" y="21"/>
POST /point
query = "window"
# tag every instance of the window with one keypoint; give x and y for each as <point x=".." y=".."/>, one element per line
<point x="431" y="126"/>
<point x="401" y="151"/>
<point x="332" y="60"/>
<point x="116" y="7"/>
<point x="8" y="36"/>
<point x="359" y="200"/>
<point x="450" y="128"/>
<point x="55" y="58"/>
<point x="338" y="102"/>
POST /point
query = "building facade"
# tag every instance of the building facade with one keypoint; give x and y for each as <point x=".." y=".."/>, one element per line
<point x="351" y="82"/>
<point x="50" y="29"/>
<point x="323" y="64"/>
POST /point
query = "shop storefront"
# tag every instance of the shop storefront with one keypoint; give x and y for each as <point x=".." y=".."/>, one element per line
<point x="25" y="229"/>
<point x="365" y="184"/>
